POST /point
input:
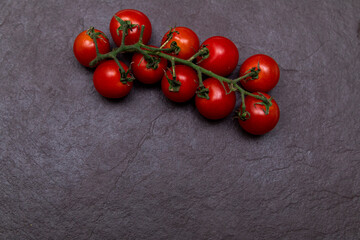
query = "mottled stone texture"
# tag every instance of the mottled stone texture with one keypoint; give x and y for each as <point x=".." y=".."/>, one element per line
<point x="77" y="166"/>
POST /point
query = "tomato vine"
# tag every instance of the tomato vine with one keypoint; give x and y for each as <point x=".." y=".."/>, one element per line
<point x="148" y="51"/>
<point x="200" y="62"/>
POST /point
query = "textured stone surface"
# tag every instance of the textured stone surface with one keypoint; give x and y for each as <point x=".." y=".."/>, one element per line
<point x="77" y="166"/>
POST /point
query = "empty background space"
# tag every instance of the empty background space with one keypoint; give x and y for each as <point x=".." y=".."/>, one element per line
<point x="74" y="165"/>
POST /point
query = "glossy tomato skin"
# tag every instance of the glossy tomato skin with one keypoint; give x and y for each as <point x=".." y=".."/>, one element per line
<point x="268" y="76"/>
<point x="189" y="83"/>
<point x="186" y="39"/>
<point x="144" y="74"/>
<point x="223" y="56"/>
<point x="219" y="104"/>
<point x="84" y="47"/>
<point x="259" y="123"/>
<point x="107" y="80"/>
<point x="136" y="17"/>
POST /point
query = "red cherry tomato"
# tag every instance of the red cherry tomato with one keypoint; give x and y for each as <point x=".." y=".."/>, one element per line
<point x="260" y="123"/>
<point x="84" y="47"/>
<point x="223" y="56"/>
<point x="220" y="104"/>
<point x="186" y="39"/>
<point x="107" y="80"/>
<point x="144" y="74"/>
<point x="135" y="17"/>
<point x="268" y="76"/>
<point x="189" y="83"/>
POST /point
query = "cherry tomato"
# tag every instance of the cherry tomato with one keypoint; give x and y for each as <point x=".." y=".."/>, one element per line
<point x="135" y="17"/>
<point x="144" y="74"/>
<point x="268" y="76"/>
<point x="186" y="39"/>
<point x="260" y="123"/>
<point x="223" y="56"/>
<point x="84" y="47"/>
<point x="189" y="83"/>
<point x="107" y="80"/>
<point x="220" y="104"/>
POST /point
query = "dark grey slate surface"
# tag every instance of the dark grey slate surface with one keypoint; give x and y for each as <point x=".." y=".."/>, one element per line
<point x="77" y="166"/>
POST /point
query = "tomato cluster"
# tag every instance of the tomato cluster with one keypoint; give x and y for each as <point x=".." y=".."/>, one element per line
<point x="216" y="58"/>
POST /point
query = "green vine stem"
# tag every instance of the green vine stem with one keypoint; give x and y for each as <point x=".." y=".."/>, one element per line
<point x="169" y="37"/>
<point x="149" y="52"/>
<point x="204" y="52"/>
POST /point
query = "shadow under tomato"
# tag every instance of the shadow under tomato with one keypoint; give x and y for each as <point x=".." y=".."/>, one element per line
<point x="245" y="134"/>
<point x="142" y="86"/>
<point x="118" y="101"/>
<point x="175" y="105"/>
<point x="210" y="121"/>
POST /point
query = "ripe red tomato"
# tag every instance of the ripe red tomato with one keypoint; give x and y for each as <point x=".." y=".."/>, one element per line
<point x="84" y="47"/>
<point x="268" y="76"/>
<point x="223" y="56"/>
<point x="186" y="39"/>
<point x="144" y="74"/>
<point x="189" y="83"/>
<point x="260" y="123"/>
<point x="219" y="104"/>
<point x="107" y="80"/>
<point x="135" y="17"/>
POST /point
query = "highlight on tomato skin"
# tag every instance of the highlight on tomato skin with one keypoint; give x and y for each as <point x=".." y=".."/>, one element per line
<point x="268" y="76"/>
<point x="223" y="56"/>
<point x="259" y="122"/>
<point x="220" y="104"/>
<point x="107" y="80"/>
<point x="84" y="47"/>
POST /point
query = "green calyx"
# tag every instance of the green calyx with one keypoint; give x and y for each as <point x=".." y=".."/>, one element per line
<point x="152" y="62"/>
<point x="124" y="26"/>
<point x="126" y="76"/>
<point x="170" y="35"/>
<point x="175" y="47"/>
<point x="254" y="73"/>
<point x="204" y="53"/>
<point x="266" y="102"/>
<point x="174" y="85"/>
<point x="243" y="115"/>
<point x="203" y="92"/>
<point x="95" y="35"/>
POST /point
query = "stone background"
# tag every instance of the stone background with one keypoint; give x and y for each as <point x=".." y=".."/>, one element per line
<point x="77" y="166"/>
